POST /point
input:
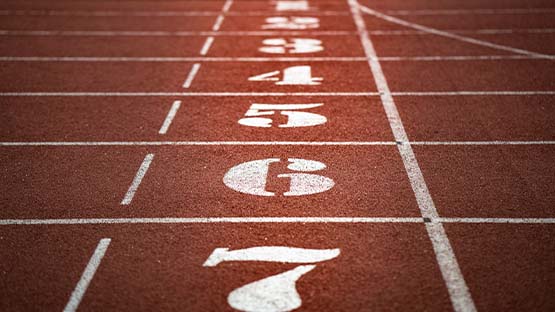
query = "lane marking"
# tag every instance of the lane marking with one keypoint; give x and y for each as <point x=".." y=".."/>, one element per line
<point x="221" y="16"/>
<point x="132" y="33"/>
<point x="87" y="276"/>
<point x="169" y="118"/>
<point x="448" y="34"/>
<point x="452" y="275"/>
<point x="155" y="13"/>
<point x="471" y="11"/>
<point x="137" y="180"/>
<point x="191" y="76"/>
<point x="206" y="46"/>
<point x="208" y="43"/>
<point x="223" y="94"/>
<point x="269" y="143"/>
<point x="216" y="220"/>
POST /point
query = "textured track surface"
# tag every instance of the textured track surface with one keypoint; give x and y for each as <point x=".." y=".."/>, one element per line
<point x="318" y="155"/>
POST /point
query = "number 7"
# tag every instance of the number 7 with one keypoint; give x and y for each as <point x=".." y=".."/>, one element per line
<point x="276" y="293"/>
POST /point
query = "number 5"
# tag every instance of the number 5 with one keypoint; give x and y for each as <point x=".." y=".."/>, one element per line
<point x="295" y="118"/>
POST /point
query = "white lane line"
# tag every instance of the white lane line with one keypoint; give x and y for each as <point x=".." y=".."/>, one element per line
<point x="450" y="35"/>
<point x="209" y="41"/>
<point x="452" y="275"/>
<point x="87" y="276"/>
<point x="153" y="13"/>
<point x="206" y="46"/>
<point x="268" y="143"/>
<point x="171" y="220"/>
<point x="216" y="94"/>
<point x="472" y="11"/>
<point x="473" y="93"/>
<point x="221" y="16"/>
<point x="137" y="180"/>
<point x="191" y="76"/>
<point x="130" y="33"/>
<point x="169" y="118"/>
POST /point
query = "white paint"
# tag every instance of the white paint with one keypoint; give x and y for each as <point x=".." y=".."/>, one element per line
<point x="448" y="34"/>
<point x="452" y="275"/>
<point x="132" y="33"/>
<point x="277" y="293"/>
<point x="137" y="180"/>
<point x="216" y="220"/>
<point x="472" y="11"/>
<point x="292" y="23"/>
<point x="192" y="74"/>
<point x="206" y="46"/>
<point x="291" y="46"/>
<point x="295" y="118"/>
<point x="220" y="19"/>
<point x="292" y="5"/>
<point x="169" y="118"/>
<point x="149" y="13"/>
<point x="271" y="254"/>
<point x="270" y="143"/>
<point x="251" y="177"/>
<point x="294" y="75"/>
<point x="87" y="276"/>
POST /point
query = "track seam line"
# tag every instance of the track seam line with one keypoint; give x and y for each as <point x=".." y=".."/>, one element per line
<point x="87" y="276"/>
<point x="446" y="259"/>
<point x="191" y="76"/>
<point x="141" y="172"/>
<point x="169" y="118"/>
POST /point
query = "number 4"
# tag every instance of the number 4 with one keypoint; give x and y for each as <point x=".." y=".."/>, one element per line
<point x="294" y="118"/>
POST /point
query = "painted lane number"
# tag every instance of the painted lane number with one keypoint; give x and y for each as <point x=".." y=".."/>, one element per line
<point x="276" y="293"/>
<point x="293" y="23"/>
<point x="294" y="75"/>
<point x="291" y="46"/>
<point x="295" y="118"/>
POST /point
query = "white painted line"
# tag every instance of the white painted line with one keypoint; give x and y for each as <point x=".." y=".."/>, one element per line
<point x="472" y="12"/>
<point x="216" y="220"/>
<point x="137" y="180"/>
<point x="268" y="143"/>
<point x="454" y="280"/>
<point x="450" y="35"/>
<point x="169" y="117"/>
<point x="153" y="13"/>
<point x="87" y="276"/>
<point x="209" y="41"/>
<point x="131" y="33"/>
<point x="474" y="93"/>
<point x="221" y="16"/>
<point x="191" y="76"/>
<point x="206" y="46"/>
<point x="216" y="94"/>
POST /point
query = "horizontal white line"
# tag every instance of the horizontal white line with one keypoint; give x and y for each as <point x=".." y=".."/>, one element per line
<point x="217" y="94"/>
<point x="473" y="11"/>
<point x="270" y="143"/>
<point x="270" y="220"/>
<point x="156" y="13"/>
<point x="485" y="31"/>
<point x="224" y="94"/>
<point x="262" y="59"/>
<point x="131" y="33"/>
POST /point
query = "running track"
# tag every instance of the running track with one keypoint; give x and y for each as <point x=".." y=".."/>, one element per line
<point x="277" y="155"/>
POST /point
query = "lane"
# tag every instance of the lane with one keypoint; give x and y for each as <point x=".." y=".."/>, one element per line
<point x="119" y="119"/>
<point x="125" y="6"/>
<point x="489" y="181"/>
<point x="507" y="266"/>
<point x="161" y="267"/>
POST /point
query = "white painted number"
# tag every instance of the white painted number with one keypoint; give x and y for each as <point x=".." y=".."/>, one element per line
<point x="294" y="118"/>
<point x="292" y="5"/>
<point x="280" y="22"/>
<point x="276" y="293"/>
<point x="291" y="46"/>
<point x="251" y="177"/>
<point x="295" y="75"/>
